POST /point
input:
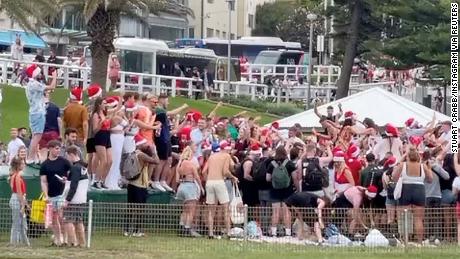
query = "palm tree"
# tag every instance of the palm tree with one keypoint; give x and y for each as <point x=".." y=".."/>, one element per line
<point x="103" y="17"/>
<point x="30" y="15"/>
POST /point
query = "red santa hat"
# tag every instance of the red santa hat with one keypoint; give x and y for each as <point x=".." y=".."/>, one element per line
<point x="76" y="94"/>
<point x="224" y="145"/>
<point x="415" y="140"/>
<point x="111" y="103"/>
<point x="390" y="162"/>
<point x="410" y="122"/>
<point x="353" y="151"/>
<point x="256" y="149"/>
<point x="275" y="125"/>
<point x="33" y="71"/>
<point x="336" y="149"/>
<point x="130" y="106"/>
<point x="339" y="156"/>
<point x="94" y="91"/>
<point x="391" y="130"/>
<point x="371" y="191"/>
<point x="139" y="140"/>
<point x="349" y="115"/>
<point x="185" y="132"/>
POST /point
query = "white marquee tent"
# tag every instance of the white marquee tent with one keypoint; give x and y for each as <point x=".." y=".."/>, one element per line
<point x="376" y="103"/>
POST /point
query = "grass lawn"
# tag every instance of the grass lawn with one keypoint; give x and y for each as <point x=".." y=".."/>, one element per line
<point x="115" y="246"/>
<point x="14" y="108"/>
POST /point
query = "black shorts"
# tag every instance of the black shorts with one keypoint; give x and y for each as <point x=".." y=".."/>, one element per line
<point x="302" y="200"/>
<point x="342" y="202"/>
<point x="376" y="203"/>
<point x="74" y="213"/>
<point x="164" y="150"/>
<point x="412" y="194"/>
<point x="102" y="138"/>
<point x="90" y="146"/>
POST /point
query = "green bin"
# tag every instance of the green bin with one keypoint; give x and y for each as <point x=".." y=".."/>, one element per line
<point x="31" y="177"/>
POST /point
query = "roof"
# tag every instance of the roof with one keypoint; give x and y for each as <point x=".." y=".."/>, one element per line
<point x="30" y="40"/>
<point x="140" y="44"/>
<point x="376" y="103"/>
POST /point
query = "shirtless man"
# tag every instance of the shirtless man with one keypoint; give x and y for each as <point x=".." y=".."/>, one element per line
<point x="215" y="171"/>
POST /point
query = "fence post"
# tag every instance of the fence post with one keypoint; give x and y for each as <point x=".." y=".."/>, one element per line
<point x="221" y="89"/>
<point x="173" y="88"/>
<point x="140" y="84"/>
<point x="122" y="81"/>
<point x="406" y="227"/>
<point x="245" y="226"/>
<point x="278" y="101"/>
<point x="90" y="224"/>
<point x="253" y="92"/>
<point x="190" y="89"/>
<point x="5" y="72"/>
<point x="66" y="77"/>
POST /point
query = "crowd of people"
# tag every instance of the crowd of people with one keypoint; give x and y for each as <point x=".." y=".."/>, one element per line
<point x="135" y="142"/>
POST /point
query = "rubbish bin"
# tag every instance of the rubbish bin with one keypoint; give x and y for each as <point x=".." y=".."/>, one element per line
<point x="31" y="177"/>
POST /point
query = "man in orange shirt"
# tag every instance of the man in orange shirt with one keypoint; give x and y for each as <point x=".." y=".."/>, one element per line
<point x="76" y="116"/>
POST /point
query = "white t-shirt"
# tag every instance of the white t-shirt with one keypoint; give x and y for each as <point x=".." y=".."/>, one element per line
<point x="13" y="148"/>
<point x="447" y="137"/>
<point x="456" y="183"/>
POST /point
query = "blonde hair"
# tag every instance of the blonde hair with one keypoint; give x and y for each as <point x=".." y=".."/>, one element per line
<point x="413" y="155"/>
<point x="187" y="154"/>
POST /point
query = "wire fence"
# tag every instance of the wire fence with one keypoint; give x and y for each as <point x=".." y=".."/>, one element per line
<point x="185" y="228"/>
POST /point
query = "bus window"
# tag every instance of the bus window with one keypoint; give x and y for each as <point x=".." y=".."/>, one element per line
<point x="135" y="61"/>
<point x="268" y="58"/>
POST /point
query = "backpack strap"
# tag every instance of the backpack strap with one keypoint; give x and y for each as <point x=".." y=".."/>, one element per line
<point x="284" y="163"/>
<point x="275" y="164"/>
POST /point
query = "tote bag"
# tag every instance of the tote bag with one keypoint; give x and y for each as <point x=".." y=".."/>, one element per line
<point x="48" y="215"/>
<point x="37" y="214"/>
<point x="236" y="207"/>
<point x="398" y="189"/>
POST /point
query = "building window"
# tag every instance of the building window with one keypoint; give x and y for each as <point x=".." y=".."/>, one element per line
<point x="210" y="1"/>
<point x="224" y="35"/>
<point x="191" y="32"/>
<point x="251" y="21"/>
<point x="209" y="32"/>
<point x="217" y="33"/>
<point x="232" y="36"/>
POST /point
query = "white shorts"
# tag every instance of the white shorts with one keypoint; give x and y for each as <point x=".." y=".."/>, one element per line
<point x="216" y="192"/>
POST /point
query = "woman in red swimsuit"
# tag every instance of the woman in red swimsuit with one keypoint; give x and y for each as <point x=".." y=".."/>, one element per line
<point x="18" y="203"/>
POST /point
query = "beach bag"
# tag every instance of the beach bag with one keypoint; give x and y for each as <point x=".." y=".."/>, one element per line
<point x="280" y="176"/>
<point x="236" y="207"/>
<point x="48" y="215"/>
<point x="37" y="213"/>
<point x="398" y="189"/>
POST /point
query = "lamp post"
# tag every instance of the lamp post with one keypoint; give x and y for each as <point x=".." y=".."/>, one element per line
<point x="311" y="17"/>
<point x="229" y="50"/>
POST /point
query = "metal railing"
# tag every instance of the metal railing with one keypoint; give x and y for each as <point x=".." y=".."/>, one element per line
<point x="284" y="90"/>
<point x="250" y="227"/>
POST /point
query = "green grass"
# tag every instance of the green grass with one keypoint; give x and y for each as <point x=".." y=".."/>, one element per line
<point x="14" y="108"/>
<point x="116" y="246"/>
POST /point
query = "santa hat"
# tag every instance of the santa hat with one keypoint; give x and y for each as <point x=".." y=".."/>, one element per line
<point x="390" y="162"/>
<point x="353" y="151"/>
<point x="349" y="115"/>
<point x="371" y="191"/>
<point x="411" y="123"/>
<point x="264" y="132"/>
<point x="130" y="106"/>
<point x="185" y="132"/>
<point x="339" y="156"/>
<point x="33" y="71"/>
<point x="224" y="145"/>
<point x="76" y="94"/>
<point x="94" y="91"/>
<point x="336" y="149"/>
<point x="415" y="140"/>
<point x="391" y="130"/>
<point x="275" y="125"/>
<point x="139" y="139"/>
<point x="111" y="103"/>
<point x="256" y="149"/>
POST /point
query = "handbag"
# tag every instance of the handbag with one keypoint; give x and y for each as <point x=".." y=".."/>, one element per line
<point x="236" y="207"/>
<point x="398" y="189"/>
<point x="37" y="214"/>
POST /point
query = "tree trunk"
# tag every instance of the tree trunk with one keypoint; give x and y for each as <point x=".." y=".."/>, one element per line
<point x="101" y="28"/>
<point x="343" y="84"/>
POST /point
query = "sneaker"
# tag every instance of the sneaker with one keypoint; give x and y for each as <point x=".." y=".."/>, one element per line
<point x="103" y="186"/>
<point x="126" y="234"/>
<point x="193" y="233"/>
<point x="166" y="186"/>
<point x="97" y="185"/>
<point x="138" y="234"/>
<point x="157" y="186"/>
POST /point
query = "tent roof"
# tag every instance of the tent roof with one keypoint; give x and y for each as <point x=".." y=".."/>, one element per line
<point x="376" y="103"/>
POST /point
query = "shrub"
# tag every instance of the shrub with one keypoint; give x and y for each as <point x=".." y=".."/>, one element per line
<point x="284" y="109"/>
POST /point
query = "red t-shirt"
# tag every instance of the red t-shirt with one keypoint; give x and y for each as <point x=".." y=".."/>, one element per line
<point x="18" y="184"/>
<point x="355" y="165"/>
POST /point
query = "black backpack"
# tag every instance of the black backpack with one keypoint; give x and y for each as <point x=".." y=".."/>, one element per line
<point x="259" y="170"/>
<point x="314" y="177"/>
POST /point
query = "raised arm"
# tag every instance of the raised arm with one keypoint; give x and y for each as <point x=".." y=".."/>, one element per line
<point x="178" y="110"/>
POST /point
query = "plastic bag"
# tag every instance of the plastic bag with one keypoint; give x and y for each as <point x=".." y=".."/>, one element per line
<point x="375" y="238"/>
<point x="236" y="207"/>
<point x="48" y="215"/>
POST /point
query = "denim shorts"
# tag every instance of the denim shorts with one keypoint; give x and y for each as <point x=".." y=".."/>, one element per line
<point x="188" y="191"/>
<point x="57" y="202"/>
<point x="390" y="202"/>
<point x="448" y="197"/>
<point x="37" y="122"/>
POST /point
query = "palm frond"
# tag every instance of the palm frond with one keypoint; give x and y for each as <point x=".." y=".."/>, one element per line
<point x="29" y="14"/>
<point x="91" y="8"/>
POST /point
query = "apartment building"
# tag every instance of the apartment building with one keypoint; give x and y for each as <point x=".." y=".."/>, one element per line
<point x="211" y="18"/>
